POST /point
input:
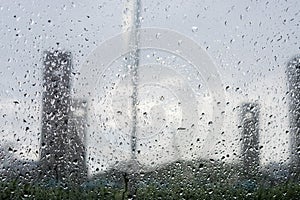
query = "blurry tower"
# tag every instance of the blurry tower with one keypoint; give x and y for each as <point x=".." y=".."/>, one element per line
<point x="293" y="75"/>
<point x="55" y="114"/>
<point x="250" y="139"/>
<point x="62" y="138"/>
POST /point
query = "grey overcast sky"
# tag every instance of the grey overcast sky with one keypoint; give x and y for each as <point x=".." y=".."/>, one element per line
<point x="250" y="43"/>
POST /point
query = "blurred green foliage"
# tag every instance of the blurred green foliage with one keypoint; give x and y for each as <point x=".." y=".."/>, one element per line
<point x="179" y="180"/>
<point x="13" y="190"/>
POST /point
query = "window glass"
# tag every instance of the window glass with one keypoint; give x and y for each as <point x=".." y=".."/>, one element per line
<point x="149" y="99"/>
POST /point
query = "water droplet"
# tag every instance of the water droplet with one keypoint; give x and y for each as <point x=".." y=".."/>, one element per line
<point x="157" y="35"/>
<point x="194" y="29"/>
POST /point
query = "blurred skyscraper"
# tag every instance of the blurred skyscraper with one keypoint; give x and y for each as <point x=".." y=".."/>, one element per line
<point x="293" y="75"/>
<point x="63" y="122"/>
<point x="250" y="139"/>
<point x="55" y="114"/>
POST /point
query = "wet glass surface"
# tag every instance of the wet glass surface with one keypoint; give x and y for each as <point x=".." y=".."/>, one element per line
<point x="149" y="99"/>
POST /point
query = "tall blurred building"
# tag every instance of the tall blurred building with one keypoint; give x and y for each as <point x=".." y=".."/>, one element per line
<point x="55" y="114"/>
<point x="62" y="138"/>
<point x="293" y="75"/>
<point x="250" y="139"/>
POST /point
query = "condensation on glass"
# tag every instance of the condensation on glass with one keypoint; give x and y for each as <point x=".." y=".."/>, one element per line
<point x="149" y="99"/>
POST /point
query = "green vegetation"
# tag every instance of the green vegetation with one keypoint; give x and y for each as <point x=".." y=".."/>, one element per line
<point x="178" y="180"/>
<point x="289" y="191"/>
<point x="27" y="191"/>
<point x="16" y="190"/>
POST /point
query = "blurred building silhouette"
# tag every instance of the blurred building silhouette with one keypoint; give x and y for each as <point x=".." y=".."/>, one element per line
<point x="62" y="138"/>
<point x="250" y="139"/>
<point x="293" y="75"/>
